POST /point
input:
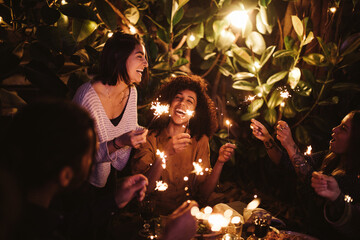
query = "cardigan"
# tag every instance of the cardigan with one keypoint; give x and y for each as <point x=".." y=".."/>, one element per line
<point x="87" y="97"/>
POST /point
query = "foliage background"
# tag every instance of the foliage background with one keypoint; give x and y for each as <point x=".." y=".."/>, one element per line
<point x="52" y="47"/>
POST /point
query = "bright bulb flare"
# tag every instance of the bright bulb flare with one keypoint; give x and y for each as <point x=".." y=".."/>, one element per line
<point x="161" y="186"/>
<point x="249" y="98"/>
<point x="132" y="29"/>
<point x="162" y="156"/>
<point x="192" y="37"/>
<point x="238" y="19"/>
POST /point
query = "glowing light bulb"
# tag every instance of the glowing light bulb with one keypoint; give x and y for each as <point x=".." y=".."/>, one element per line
<point x="110" y="33"/>
<point x="192" y="37"/>
<point x="186" y="178"/>
<point x="333" y="9"/>
<point x="63" y="2"/>
<point x="208" y="210"/>
<point x="238" y="19"/>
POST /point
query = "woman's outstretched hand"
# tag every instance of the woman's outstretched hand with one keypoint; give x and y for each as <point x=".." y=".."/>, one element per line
<point x="325" y="186"/>
<point x="260" y="131"/>
<point x="283" y="134"/>
<point x="225" y="152"/>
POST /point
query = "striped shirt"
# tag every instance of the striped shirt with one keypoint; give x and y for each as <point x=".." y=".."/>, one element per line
<point x="87" y="97"/>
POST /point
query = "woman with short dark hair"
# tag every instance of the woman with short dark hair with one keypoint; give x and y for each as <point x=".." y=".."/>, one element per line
<point x="111" y="100"/>
<point x="184" y="140"/>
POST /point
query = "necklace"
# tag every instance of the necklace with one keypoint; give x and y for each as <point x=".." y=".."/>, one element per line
<point x="124" y="95"/>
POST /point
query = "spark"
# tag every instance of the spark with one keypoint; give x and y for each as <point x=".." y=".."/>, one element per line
<point x="161" y="186"/>
<point x="249" y="98"/>
<point x="160" y="109"/>
<point x="162" y="156"/>
<point x="285" y="94"/>
<point x="308" y="150"/>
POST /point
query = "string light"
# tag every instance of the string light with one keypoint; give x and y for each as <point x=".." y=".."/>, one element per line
<point x="238" y="19"/>
<point x="63" y="2"/>
<point x="333" y="9"/>
<point x="110" y="33"/>
<point x="132" y="29"/>
<point x="192" y="37"/>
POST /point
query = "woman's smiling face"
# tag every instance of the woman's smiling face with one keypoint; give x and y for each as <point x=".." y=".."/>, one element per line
<point x="183" y="101"/>
<point x="136" y="63"/>
<point x="340" y="141"/>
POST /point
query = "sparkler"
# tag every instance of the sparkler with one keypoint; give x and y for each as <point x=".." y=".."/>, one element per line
<point x="161" y="186"/>
<point x="162" y="156"/>
<point x="190" y="114"/>
<point x="285" y="95"/>
<point x="160" y="109"/>
<point x="308" y="150"/>
<point x="228" y="123"/>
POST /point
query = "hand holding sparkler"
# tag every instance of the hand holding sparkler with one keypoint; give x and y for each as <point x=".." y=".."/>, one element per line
<point x="285" y="95"/>
<point x="130" y="187"/>
<point x="283" y="134"/>
<point x="177" y="143"/>
<point x="190" y="114"/>
<point x="228" y="123"/>
<point x="226" y="151"/>
<point x="260" y="131"/>
<point x="325" y="186"/>
<point x="133" y="139"/>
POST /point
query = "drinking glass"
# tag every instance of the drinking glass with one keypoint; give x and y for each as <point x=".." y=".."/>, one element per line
<point x="146" y="208"/>
<point x="262" y="220"/>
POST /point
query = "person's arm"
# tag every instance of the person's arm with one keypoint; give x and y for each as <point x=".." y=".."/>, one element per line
<point x="181" y="224"/>
<point x="209" y="185"/>
<point x="261" y="133"/>
<point x="338" y="210"/>
<point x="301" y="166"/>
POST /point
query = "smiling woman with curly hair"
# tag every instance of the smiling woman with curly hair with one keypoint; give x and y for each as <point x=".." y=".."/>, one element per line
<point x="184" y="140"/>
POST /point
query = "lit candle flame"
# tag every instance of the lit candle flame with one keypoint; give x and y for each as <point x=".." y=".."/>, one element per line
<point x="162" y="156"/>
<point x="161" y="186"/>
<point x="308" y="150"/>
<point x="159" y="108"/>
<point x="253" y="204"/>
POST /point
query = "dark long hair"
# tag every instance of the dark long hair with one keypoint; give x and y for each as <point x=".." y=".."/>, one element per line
<point x="116" y="51"/>
<point x="204" y="122"/>
<point x="352" y="163"/>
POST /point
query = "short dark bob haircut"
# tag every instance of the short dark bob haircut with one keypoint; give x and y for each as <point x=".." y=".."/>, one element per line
<point x="116" y="51"/>
<point x="44" y="137"/>
<point x="204" y="122"/>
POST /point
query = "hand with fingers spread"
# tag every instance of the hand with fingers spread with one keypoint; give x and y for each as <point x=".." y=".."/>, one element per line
<point x="225" y="152"/>
<point x="130" y="187"/>
<point x="177" y="143"/>
<point x="181" y="224"/>
<point x="325" y="186"/>
<point x="260" y="131"/>
<point x="283" y="134"/>
<point x="133" y="138"/>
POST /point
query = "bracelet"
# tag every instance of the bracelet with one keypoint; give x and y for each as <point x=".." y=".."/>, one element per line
<point x="269" y="144"/>
<point x="115" y="145"/>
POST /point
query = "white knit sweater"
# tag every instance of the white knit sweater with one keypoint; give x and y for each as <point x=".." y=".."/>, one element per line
<point x="88" y="98"/>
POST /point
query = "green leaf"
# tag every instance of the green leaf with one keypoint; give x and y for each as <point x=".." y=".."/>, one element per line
<point x="315" y="59"/>
<point x="132" y="14"/>
<point x="106" y="13"/>
<point x="10" y="99"/>
<point x="350" y="44"/>
<point x="260" y="26"/>
<point x="330" y="101"/>
<point x="303" y="89"/>
<point x="298" y="26"/>
<point x="249" y="116"/>
<point x="164" y="66"/>
<point x="198" y="30"/>
<point x="83" y="28"/>
<point x="266" y="55"/>
<point x="294" y="77"/>
<point x="180" y="62"/>
<point x="302" y="135"/>
<point x="284" y="53"/>
<point x="225" y="70"/>
<point x="270" y="116"/>
<point x="242" y="75"/>
<point x="243" y="85"/>
<point x="264" y="3"/>
<point x="178" y="16"/>
<point x="181" y="3"/>
<point x="289" y="111"/>
<point x="276" y="77"/>
<point x="241" y="55"/>
<point x="255" y="105"/>
<point x="192" y="40"/>
<point x="163" y="35"/>
<point x="309" y="38"/>
<point x="78" y="11"/>
<point x="256" y="43"/>
<point x="275" y="99"/>
<point x="289" y="42"/>
<point x="346" y="86"/>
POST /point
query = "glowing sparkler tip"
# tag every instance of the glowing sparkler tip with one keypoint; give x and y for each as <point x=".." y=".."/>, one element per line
<point x="159" y="108"/>
<point x="161" y="186"/>
<point x="308" y="150"/>
<point x="190" y="113"/>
